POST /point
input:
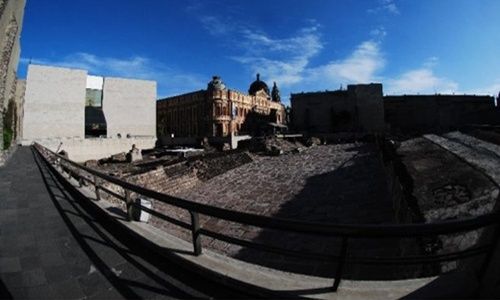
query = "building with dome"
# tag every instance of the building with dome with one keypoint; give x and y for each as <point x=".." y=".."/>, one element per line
<point x="219" y="111"/>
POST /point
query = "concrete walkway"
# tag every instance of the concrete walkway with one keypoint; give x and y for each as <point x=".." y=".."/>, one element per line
<point x="52" y="248"/>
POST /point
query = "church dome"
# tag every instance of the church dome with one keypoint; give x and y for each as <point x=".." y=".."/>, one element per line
<point x="216" y="84"/>
<point x="258" y="85"/>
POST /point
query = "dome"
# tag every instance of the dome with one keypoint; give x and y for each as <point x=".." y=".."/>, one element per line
<point x="258" y="85"/>
<point x="216" y="84"/>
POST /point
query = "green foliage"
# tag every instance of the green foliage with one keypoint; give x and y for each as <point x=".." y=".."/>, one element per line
<point x="90" y="102"/>
<point x="7" y="138"/>
<point x="9" y="123"/>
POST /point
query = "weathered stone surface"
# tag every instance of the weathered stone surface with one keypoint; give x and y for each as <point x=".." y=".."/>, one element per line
<point x="211" y="166"/>
<point x="446" y="187"/>
<point x="321" y="184"/>
<point x="134" y="154"/>
<point x="91" y="163"/>
<point x="119" y="157"/>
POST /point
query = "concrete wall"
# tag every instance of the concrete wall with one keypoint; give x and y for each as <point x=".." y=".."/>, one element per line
<point x="54" y="113"/>
<point x="80" y="149"/>
<point x="129" y="107"/>
<point x="19" y="98"/>
<point x="54" y="103"/>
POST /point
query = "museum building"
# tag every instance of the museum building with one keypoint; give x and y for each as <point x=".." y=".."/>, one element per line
<point x="219" y="111"/>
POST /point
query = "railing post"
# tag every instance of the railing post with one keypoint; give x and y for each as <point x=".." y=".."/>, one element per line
<point x="80" y="181"/>
<point x="340" y="264"/>
<point x="130" y="206"/>
<point x="195" y="231"/>
<point x="96" y="185"/>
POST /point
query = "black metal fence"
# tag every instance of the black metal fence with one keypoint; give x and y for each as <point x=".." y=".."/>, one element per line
<point x="345" y="232"/>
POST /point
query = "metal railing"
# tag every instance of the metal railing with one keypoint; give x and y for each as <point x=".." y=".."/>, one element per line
<point x="345" y="232"/>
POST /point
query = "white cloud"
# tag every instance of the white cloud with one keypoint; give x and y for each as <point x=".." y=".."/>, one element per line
<point x="215" y="26"/>
<point x="378" y="33"/>
<point x="288" y="60"/>
<point x="359" y="67"/>
<point x="388" y="6"/>
<point x="282" y="60"/>
<point x="420" y="81"/>
<point x="492" y="89"/>
<point x="170" y="82"/>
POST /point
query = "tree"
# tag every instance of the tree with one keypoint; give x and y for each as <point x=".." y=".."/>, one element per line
<point x="89" y="102"/>
<point x="9" y="124"/>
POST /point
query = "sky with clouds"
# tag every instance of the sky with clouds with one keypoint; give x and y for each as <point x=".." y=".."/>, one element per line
<point x="412" y="47"/>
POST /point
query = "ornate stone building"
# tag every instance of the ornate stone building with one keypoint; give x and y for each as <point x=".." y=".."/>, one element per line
<point x="219" y="111"/>
<point x="11" y="19"/>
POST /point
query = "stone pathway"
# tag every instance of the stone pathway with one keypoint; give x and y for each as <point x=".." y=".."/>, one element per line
<point x="52" y="248"/>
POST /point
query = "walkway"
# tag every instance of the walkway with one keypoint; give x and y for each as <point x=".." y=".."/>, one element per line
<point x="52" y="248"/>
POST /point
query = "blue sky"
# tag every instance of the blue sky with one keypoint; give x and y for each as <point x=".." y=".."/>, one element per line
<point x="411" y="46"/>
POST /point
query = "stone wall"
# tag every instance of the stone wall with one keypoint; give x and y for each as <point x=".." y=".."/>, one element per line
<point x="130" y="107"/>
<point x="181" y="176"/>
<point x="209" y="167"/>
<point x="11" y="20"/>
<point x="54" y="104"/>
<point x="168" y="179"/>
<point x="357" y="109"/>
<point x="400" y="186"/>
<point x="80" y="149"/>
<point x="438" y="113"/>
<point x="369" y="105"/>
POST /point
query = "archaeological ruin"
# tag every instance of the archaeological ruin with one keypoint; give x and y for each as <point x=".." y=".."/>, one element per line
<point x="396" y="193"/>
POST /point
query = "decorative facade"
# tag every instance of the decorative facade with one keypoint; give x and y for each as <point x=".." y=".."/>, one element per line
<point x="218" y="111"/>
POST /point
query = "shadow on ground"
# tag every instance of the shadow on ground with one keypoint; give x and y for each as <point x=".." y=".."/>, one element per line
<point x="120" y="267"/>
<point x="355" y="193"/>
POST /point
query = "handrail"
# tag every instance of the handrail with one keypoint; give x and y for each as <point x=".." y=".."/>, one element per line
<point x="343" y="231"/>
<point x="317" y="228"/>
